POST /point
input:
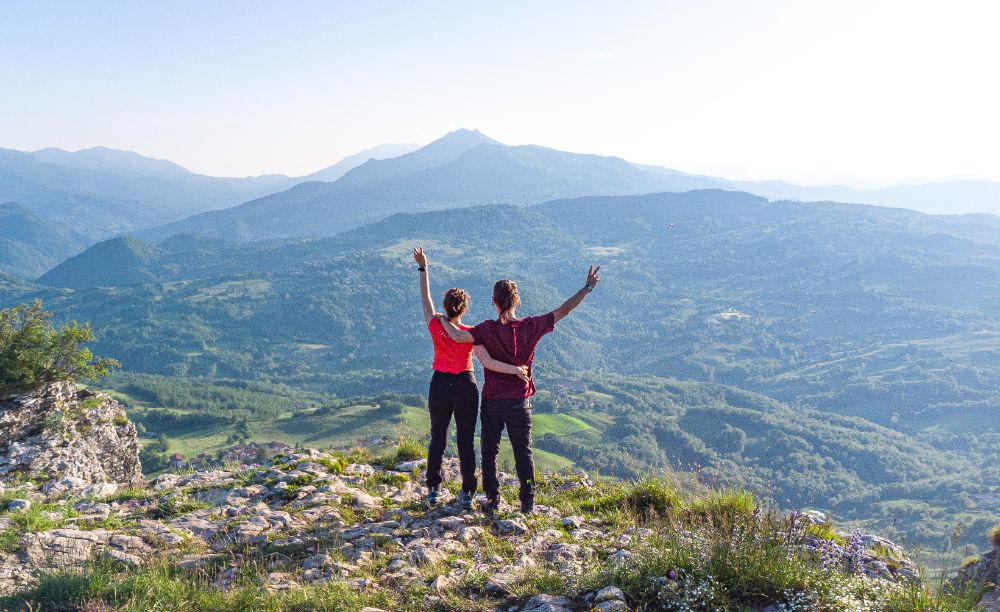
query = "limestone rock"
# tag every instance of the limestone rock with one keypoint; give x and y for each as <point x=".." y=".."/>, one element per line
<point x="65" y="548"/>
<point x="985" y="571"/>
<point x="57" y="432"/>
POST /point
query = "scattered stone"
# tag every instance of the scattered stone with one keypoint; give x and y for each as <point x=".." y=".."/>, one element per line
<point x="358" y="469"/>
<point x="441" y="583"/>
<point x="510" y="527"/>
<point x="18" y="505"/>
<point x="573" y="522"/>
<point x="409" y="466"/>
<point x="548" y="603"/>
<point x="621" y="557"/>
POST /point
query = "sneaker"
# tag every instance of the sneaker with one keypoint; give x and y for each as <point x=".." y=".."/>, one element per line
<point x="490" y="505"/>
<point x="465" y="498"/>
<point x="432" y="496"/>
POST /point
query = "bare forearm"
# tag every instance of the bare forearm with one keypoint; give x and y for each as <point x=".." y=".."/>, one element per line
<point x="492" y="364"/>
<point x="456" y="334"/>
<point x="425" y="295"/>
<point x="570" y="304"/>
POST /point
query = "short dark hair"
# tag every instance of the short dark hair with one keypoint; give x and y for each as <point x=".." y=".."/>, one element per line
<point x="456" y="302"/>
<point x="505" y="295"/>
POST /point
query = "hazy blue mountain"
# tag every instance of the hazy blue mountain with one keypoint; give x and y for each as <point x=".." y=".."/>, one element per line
<point x="111" y="160"/>
<point x="943" y="198"/>
<point x="380" y="152"/>
<point x="115" y="262"/>
<point x="463" y="168"/>
<point x="102" y="192"/>
<point x="30" y="245"/>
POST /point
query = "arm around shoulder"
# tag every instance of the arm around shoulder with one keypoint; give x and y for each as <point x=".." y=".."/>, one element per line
<point x="456" y="334"/>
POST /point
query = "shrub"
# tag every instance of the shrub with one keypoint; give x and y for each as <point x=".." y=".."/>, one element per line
<point x="995" y="535"/>
<point x="406" y="450"/>
<point x="646" y="498"/>
<point x="33" y="352"/>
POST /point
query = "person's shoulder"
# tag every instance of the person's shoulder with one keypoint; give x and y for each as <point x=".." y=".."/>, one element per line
<point x="545" y="320"/>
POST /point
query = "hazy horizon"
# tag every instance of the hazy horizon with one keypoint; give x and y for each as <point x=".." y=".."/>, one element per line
<point x="856" y="94"/>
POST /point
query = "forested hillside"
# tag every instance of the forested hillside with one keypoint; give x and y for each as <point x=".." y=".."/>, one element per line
<point x="873" y="328"/>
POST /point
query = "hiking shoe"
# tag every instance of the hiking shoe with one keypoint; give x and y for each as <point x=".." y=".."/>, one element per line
<point x="527" y="509"/>
<point x="465" y="498"/>
<point x="432" y="496"/>
<point x="490" y="505"/>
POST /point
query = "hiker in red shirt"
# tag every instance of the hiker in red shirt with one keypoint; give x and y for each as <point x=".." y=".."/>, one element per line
<point x="506" y="401"/>
<point x="453" y="389"/>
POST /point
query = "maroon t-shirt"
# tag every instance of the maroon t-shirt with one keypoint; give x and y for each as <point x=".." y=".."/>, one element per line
<point x="512" y="343"/>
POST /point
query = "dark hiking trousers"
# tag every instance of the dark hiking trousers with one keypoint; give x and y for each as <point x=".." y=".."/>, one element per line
<point x="458" y="395"/>
<point x="515" y="416"/>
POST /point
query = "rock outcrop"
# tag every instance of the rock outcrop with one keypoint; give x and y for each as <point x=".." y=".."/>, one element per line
<point x="67" y="439"/>
<point x="983" y="574"/>
<point x="316" y="519"/>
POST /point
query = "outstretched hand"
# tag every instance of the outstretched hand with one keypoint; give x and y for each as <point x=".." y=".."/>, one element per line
<point x="419" y="256"/>
<point x="592" y="277"/>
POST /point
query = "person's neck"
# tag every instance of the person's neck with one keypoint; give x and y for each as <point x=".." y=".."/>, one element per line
<point x="507" y="317"/>
<point x="456" y="321"/>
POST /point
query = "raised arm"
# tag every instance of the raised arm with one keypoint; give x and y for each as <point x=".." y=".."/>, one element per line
<point x="498" y="366"/>
<point x="458" y="335"/>
<point x="568" y="306"/>
<point x="425" y="284"/>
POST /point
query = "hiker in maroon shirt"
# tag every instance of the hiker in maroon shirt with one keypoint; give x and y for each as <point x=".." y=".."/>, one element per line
<point x="506" y="402"/>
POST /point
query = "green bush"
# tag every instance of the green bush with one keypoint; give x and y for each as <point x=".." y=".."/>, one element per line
<point x="646" y="498"/>
<point x="406" y="450"/>
<point x="34" y="352"/>
<point x="995" y="535"/>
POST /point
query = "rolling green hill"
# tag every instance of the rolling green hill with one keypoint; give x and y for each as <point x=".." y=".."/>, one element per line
<point x="30" y="245"/>
<point x="867" y="339"/>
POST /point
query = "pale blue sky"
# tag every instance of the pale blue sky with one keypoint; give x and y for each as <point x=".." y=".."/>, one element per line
<point x="804" y="91"/>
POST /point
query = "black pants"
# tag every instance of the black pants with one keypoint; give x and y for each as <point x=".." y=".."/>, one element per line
<point x="453" y="394"/>
<point x="515" y="415"/>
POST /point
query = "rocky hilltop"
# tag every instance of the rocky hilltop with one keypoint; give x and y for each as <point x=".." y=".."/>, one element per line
<point x="69" y="440"/>
<point x="318" y="530"/>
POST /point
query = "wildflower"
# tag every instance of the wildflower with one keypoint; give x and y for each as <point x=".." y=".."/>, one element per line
<point x="672" y="574"/>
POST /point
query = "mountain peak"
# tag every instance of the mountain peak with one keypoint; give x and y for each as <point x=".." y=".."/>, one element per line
<point x="452" y="145"/>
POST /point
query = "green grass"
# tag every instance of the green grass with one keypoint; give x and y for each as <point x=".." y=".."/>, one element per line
<point x="557" y="423"/>
<point x="162" y="587"/>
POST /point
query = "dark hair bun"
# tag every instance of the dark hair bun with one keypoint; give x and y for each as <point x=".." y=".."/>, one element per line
<point x="456" y="302"/>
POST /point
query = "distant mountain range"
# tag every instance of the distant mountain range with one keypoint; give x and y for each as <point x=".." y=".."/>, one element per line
<point x="70" y="200"/>
<point x="101" y="192"/>
<point x="464" y="168"/>
<point x="943" y="198"/>
<point x="339" y="169"/>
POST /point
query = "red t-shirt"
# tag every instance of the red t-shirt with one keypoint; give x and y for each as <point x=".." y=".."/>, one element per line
<point x="512" y="343"/>
<point x="449" y="356"/>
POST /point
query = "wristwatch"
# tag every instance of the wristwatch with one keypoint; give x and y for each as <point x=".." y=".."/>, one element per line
<point x="589" y="287"/>
<point x="421" y="268"/>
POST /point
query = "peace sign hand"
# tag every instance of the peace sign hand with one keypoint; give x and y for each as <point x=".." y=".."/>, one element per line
<point x="419" y="256"/>
<point x="592" y="277"/>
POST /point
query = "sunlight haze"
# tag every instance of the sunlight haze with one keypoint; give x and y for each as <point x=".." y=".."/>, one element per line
<point x="857" y="92"/>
